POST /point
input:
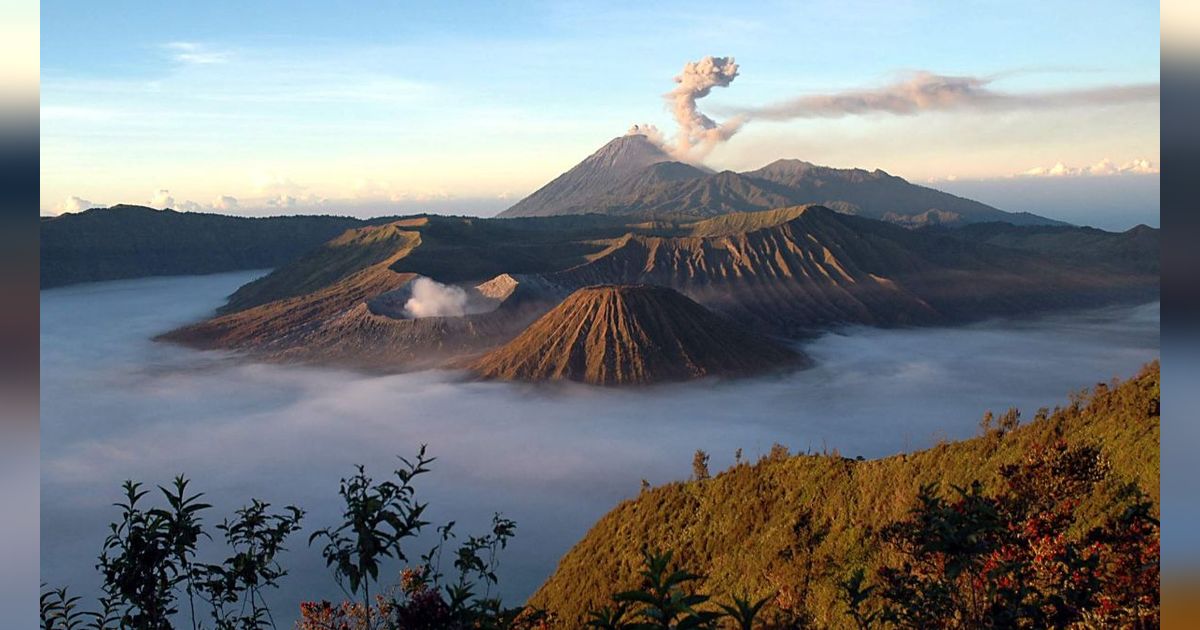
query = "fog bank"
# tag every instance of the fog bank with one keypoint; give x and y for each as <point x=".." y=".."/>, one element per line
<point x="117" y="406"/>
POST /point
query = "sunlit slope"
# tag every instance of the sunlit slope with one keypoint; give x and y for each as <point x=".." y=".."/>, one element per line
<point x="343" y="273"/>
<point x="789" y="271"/>
<point x="319" y="308"/>
<point x="796" y="269"/>
<point x="632" y="335"/>
<point x="736" y="528"/>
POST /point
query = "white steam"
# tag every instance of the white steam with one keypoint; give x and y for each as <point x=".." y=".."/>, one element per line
<point x="431" y="298"/>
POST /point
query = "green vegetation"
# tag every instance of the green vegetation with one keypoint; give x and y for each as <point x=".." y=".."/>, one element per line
<point x="795" y="527"/>
<point x="1048" y="524"/>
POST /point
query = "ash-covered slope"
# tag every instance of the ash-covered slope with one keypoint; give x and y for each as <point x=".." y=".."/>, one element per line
<point x="787" y="271"/>
<point x="342" y="302"/>
<point x="601" y="173"/>
<point x="794" y="270"/>
<point x="702" y="196"/>
<point x="790" y="272"/>
<point x="632" y="335"/>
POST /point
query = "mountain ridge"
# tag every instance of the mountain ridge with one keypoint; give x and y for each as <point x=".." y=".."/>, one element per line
<point x="616" y="181"/>
<point x="127" y="241"/>
<point x="790" y="272"/>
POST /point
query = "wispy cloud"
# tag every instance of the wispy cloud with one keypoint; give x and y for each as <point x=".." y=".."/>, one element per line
<point x="196" y="53"/>
<point x="924" y="91"/>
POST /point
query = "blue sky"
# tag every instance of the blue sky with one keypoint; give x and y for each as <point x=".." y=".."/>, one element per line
<point x="374" y="106"/>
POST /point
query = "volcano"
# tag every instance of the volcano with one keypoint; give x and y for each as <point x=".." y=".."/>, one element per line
<point x="608" y="169"/>
<point x="631" y="176"/>
<point x="632" y="335"/>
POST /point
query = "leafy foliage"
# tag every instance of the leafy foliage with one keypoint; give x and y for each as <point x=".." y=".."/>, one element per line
<point x="148" y="554"/>
<point x="256" y="537"/>
<point x="663" y="600"/>
<point x="377" y="518"/>
<point x="976" y="561"/>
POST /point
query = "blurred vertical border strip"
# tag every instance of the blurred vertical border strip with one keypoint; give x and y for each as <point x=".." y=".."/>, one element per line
<point x="19" y="170"/>
<point x="1180" y="214"/>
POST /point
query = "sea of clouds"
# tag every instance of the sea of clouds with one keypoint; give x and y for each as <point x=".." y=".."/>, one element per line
<point x="116" y="406"/>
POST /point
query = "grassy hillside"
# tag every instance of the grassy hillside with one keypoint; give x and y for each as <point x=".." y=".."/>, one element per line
<point x="133" y="242"/>
<point x="760" y="529"/>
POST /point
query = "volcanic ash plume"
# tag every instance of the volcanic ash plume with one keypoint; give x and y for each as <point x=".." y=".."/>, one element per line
<point x="698" y="133"/>
<point x="922" y="92"/>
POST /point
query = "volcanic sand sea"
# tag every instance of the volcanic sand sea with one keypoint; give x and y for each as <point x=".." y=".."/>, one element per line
<point x="115" y="406"/>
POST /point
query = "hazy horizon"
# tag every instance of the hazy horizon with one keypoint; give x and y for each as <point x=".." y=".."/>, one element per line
<point x="1109" y="203"/>
<point x="278" y="108"/>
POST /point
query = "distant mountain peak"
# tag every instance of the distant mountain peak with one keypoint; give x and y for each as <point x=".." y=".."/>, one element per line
<point x="631" y="151"/>
<point x="632" y="175"/>
<point x="615" y="163"/>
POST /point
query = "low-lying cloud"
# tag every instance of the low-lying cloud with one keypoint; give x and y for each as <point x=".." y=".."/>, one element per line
<point x="431" y="298"/>
<point x="554" y="459"/>
<point x="1105" y="167"/>
<point x="76" y="204"/>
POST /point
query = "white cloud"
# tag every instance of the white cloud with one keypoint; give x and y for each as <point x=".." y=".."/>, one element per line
<point x="196" y="53"/>
<point x="75" y="204"/>
<point x="282" y="201"/>
<point x="224" y="202"/>
<point x="1105" y="167"/>
<point x="162" y="199"/>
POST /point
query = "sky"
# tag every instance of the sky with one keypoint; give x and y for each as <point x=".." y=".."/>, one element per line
<point x="288" y="107"/>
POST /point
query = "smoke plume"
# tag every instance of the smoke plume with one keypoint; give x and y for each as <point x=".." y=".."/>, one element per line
<point x="926" y="91"/>
<point x="431" y="298"/>
<point x="698" y="133"/>
<point x="916" y="93"/>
